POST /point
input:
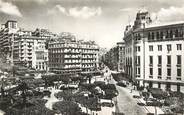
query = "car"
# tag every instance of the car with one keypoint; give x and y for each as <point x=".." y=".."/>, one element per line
<point x="136" y="96"/>
<point x="107" y="104"/>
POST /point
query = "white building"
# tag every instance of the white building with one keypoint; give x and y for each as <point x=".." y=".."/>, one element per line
<point x="69" y="55"/>
<point x="154" y="54"/>
<point x="30" y="50"/>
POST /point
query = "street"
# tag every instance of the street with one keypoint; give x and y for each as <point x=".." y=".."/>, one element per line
<point x="126" y="103"/>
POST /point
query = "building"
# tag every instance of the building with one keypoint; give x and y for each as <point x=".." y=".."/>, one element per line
<point x="69" y="55"/>
<point x="121" y="56"/>
<point x="30" y="51"/>
<point x="154" y="53"/>
<point x="23" y="47"/>
<point x="7" y="34"/>
<point x="114" y="58"/>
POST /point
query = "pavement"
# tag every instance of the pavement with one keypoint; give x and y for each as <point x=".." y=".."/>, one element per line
<point x="52" y="99"/>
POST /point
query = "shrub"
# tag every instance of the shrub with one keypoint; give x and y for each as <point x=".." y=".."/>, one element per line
<point x="106" y="104"/>
<point x="5" y="103"/>
<point x="66" y="95"/>
<point x="154" y="103"/>
<point x="121" y="84"/>
<point x="99" y="83"/>
<point x="109" y="94"/>
<point x="33" y="110"/>
<point x="67" y="107"/>
<point x="108" y="86"/>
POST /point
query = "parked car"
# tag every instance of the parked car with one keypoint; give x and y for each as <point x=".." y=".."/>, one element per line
<point x="107" y="104"/>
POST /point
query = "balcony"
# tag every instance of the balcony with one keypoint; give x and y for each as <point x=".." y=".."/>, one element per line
<point x="151" y="76"/>
<point x="168" y="78"/>
<point x="178" y="78"/>
<point x="138" y="64"/>
<point x="151" y="65"/>
<point x="29" y="50"/>
<point x="29" y="46"/>
<point x="29" y="53"/>
<point x="178" y="65"/>
<point x="159" y="77"/>
<point x="168" y="65"/>
<point x="159" y="65"/>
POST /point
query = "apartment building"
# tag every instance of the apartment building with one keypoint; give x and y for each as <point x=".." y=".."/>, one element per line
<point x="115" y="57"/>
<point x="69" y="55"/>
<point x="30" y="51"/>
<point x="23" y="47"/>
<point x="7" y="34"/>
<point x="121" y="56"/>
<point x="154" y="53"/>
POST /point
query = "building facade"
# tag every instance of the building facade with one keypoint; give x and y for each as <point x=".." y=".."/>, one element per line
<point x="69" y="55"/>
<point x="23" y="47"/>
<point x="153" y="53"/>
<point x="30" y="51"/>
<point x="7" y="35"/>
<point x="121" y="56"/>
<point x="115" y="57"/>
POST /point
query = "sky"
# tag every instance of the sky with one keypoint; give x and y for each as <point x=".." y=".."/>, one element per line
<point x="103" y="21"/>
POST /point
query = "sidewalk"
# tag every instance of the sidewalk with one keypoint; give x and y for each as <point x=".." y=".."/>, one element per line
<point x="52" y="99"/>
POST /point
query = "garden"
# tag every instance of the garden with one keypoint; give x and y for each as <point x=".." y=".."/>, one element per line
<point x="75" y="95"/>
<point x="171" y="102"/>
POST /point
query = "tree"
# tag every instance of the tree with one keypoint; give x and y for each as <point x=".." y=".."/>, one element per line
<point x="67" y="108"/>
<point x="23" y="87"/>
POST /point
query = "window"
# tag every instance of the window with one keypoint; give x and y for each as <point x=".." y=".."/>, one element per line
<point x="153" y="36"/>
<point x="179" y="72"/>
<point x="169" y="60"/>
<point x="159" y="47"/>
<point x="171" y="34"/>
<point x="138" y="70"/>
<point x="161" y="35"/>
<point x="169" y="47"/>
<point x="159" y="85"/>
<point x="139" y="37"/>
<point x="179" y="59"/>
<point x="151" y="48"/>
<point x="158" y="35"/>
<point x="159" y="60"/>
<point x="138" y="48"/>
<point x="176" y="33"/>
<point x="179" y="46"/>
<point x="151" y="60"/>
<point x="138" y="60"/>
<point x="151" y="71"/>
<point x="168" y="72"/>
<point x="149" y="36"/>
<point x="159" y="71"/>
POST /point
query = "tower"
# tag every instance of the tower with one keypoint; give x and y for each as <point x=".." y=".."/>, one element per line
<point x="142" y="19"/>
